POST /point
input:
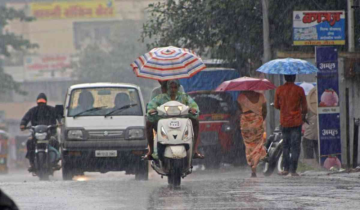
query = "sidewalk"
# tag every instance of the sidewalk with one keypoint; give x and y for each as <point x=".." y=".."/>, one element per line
<point x="311" y="169"/>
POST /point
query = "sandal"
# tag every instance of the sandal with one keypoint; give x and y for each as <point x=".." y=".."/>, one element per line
<point x="283" y="173"/>
<point x="147" y="157"/>
<point x="197" y="155"/>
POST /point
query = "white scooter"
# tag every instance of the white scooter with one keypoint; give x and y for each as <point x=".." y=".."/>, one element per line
<point x="173" y="142"/>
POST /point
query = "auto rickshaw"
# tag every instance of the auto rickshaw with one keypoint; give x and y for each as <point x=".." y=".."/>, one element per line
<point x="4" y="138"/>
<point x="20" y="142"/>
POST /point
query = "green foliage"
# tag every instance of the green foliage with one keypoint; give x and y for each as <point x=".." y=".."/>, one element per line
<point x="229" y="29"/>
<point x="214" y="27"/>
<point x="11" y="41"/>
<point x="99" y="64"/>
<point x="7" y="83"/>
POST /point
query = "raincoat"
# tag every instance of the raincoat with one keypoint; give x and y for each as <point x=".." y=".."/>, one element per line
<point x="163" y="98"/>
<point x="41" y="114"/>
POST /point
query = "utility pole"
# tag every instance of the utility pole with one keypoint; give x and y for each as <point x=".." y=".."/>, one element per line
<point x="351" y="48"/>
<point x="270" y="122"/>
<point x="267" y="50"/>
<point x="350" y="14"/>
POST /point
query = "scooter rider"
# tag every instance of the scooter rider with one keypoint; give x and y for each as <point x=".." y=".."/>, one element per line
<point x="163" y="89"/>
<point x="42" y="114"/>
<point x="172" y="95"/>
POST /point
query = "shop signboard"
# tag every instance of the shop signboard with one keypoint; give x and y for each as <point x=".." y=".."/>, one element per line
<point x="319" y="27"/>
<point x="44" y="67"/>
<point x="72" y="9"/>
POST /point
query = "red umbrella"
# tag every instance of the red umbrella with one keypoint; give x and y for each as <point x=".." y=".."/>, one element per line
<point x="245" y="83"/>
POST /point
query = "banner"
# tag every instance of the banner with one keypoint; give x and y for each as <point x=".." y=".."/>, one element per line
<point x="39" y="67"/>
<point x="319" y="27"/>
<point x="73" y="9"/>
<point x="328" y="104"/>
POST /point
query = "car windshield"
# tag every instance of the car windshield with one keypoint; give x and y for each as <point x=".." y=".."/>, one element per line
<point x="101" y="101"/>
<point x="212" y="103"/>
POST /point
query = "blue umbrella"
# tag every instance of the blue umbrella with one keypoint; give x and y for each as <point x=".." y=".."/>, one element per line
<point x="288" y="66"/>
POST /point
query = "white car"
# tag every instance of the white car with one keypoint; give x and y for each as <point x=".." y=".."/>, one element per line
<point x="103" y="130"/>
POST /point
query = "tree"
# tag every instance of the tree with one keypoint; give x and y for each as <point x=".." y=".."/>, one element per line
<point x="229" y="29"/>
<point x="112" y="64"/>
<point x="11" y="42"/>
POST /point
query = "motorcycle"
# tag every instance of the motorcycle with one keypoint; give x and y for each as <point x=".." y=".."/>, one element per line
<point x="274" y="147"/>
<point x="173" y="142"/>
<point x="46" y="156"/>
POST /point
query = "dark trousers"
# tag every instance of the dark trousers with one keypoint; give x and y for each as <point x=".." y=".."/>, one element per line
<point x="310" y="147"/>
<point x="292" y="142"/>
<point x="30" y="146"/>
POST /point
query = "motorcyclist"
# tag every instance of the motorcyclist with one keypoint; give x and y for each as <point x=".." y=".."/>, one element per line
<point x="171" y="95"/>
<point x="42" y="114"/>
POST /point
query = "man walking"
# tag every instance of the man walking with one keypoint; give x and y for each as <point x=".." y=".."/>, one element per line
<point x="291" y="101"/>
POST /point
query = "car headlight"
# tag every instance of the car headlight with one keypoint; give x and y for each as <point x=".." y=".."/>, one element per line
<point x="75" y="134"/>
<point x="163" y="133"/>
<point x="186" y="133"/>
<point x="40" y="136"/>
<point x="136" y="133"/>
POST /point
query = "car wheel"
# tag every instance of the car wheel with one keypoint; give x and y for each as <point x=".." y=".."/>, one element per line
<point x="213" y="157"/>
<point x="240" y="157"/>
<point x="142" y="171"/>
<point x="212" y="163"/>
<point x="67" y="171"/>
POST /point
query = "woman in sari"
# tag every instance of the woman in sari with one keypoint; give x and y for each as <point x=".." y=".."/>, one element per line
<point x="253" y="112"/>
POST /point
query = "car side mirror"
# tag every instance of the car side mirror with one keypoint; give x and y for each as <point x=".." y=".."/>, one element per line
<point x="59" y="109"/>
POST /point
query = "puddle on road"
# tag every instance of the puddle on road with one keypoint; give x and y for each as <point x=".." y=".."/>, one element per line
<point x="81" y="178"/>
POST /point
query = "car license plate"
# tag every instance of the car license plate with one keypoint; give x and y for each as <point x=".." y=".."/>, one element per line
<point x="105" y="153"/>
<point x="174" y="124"/>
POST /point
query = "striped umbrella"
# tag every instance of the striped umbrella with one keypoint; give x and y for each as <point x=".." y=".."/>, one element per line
<point x="167" y="63"/>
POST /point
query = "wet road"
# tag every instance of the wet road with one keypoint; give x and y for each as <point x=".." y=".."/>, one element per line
<point x="227" y="188"/>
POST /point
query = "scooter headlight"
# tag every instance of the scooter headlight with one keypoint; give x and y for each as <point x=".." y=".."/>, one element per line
<point x="173" y="110"/>
<point x="163" y="133"/>
<point x="40" y="136"/>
